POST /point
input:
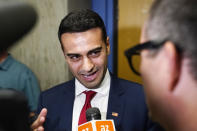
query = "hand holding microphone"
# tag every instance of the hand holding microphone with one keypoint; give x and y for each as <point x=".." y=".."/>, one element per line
<point x="95" y="123"/>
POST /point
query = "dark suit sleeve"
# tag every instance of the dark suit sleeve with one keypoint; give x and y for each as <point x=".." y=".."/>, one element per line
<point x="128" y="99"/>
<point x="59" y="103"/>
<point x="153" y="126"/>
<point x="39" y="105"/>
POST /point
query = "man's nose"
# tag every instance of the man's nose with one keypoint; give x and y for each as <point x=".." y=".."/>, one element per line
<point x="87" y="64"/>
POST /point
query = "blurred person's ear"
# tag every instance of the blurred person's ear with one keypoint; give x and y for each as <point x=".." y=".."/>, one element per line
<point x="171" y="65"/>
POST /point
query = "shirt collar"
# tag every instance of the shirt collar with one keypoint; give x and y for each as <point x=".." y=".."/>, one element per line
<point x="6" y="63"/>
<point x="103" y="88"/>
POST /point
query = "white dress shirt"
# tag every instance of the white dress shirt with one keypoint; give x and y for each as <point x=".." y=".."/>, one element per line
<point x="100" y="100"/>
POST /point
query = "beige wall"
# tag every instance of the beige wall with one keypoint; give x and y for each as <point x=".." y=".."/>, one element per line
<point x="132" y="14"/>
<point x="40" y="49"/>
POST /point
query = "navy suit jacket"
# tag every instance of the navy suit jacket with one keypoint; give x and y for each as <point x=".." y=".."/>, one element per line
<point x="125" y="98"/>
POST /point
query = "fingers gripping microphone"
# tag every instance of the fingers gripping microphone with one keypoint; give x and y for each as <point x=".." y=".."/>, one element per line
<point x="93" y="114"/>
<point x="95" y="123"/>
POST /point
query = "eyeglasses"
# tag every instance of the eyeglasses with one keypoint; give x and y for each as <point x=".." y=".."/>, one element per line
<point x="135" y="51"/>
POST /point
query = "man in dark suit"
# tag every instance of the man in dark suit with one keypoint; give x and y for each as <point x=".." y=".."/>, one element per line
<point x="86" y="47"/>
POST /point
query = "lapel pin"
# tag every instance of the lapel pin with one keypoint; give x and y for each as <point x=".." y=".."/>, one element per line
<point x="115" y="114"/>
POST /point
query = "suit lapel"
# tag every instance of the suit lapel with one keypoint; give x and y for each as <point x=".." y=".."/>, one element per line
<point x="115" y="101"/>
<point x="67" y="106"/>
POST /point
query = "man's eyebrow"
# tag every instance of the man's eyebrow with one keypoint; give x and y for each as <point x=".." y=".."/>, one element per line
<point x="96" y="49"/>
<point x="93" y="50"/>
<point x="72" y="54"/>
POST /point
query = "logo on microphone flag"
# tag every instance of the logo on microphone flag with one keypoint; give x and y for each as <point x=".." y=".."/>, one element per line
<point x="88" y="126"/>
<point x="97" y="125"/>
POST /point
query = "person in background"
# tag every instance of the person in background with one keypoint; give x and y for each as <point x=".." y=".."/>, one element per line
<point x="168" y="63"/>
<point x="86" y="47"/>
<point x="15" y="75"/>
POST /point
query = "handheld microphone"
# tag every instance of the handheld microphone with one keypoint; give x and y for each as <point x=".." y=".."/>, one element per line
<point x="93" y="114"/>
<point x="95" y="123"/>
<point x="17" y="18"/>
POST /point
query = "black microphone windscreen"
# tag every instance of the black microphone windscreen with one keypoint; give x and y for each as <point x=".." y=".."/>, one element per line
<point x="93" y="114"/>
<point x="16" y="19"/>
<point x="14" y="111"/>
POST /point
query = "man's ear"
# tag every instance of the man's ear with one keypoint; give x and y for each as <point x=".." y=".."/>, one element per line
<point x="108" y="45"/>
<point x="172" y="60"/>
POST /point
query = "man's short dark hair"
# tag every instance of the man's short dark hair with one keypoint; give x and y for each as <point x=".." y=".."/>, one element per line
<point x="176" y="21"/>
<point x="81" y="20"/>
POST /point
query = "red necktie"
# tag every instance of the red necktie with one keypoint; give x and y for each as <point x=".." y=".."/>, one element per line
<point x="89" y="96"/>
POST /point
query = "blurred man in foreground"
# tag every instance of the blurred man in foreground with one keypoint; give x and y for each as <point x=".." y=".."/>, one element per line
<point x="16" y="75"/>
<point x="17" y="82"/>
<point x="17" y="19"/>
<point x="168" y="63"/>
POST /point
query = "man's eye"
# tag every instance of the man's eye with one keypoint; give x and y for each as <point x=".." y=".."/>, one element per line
<point x="74" y="57"/>
<point x="95" y="53"/>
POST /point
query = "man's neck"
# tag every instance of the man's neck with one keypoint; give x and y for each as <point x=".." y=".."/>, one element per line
<point x="183" y="127"/>
<point x="184" y="119"/>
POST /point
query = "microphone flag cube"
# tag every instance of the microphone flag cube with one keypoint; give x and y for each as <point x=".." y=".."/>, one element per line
<point x="97" y="125"/>
<point x="88" y="126"/>
<point x="107" y="125"/>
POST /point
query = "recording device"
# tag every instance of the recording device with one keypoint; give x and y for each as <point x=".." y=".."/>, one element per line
<point x="95" y="123"/>
<point x="16" y="19"/>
